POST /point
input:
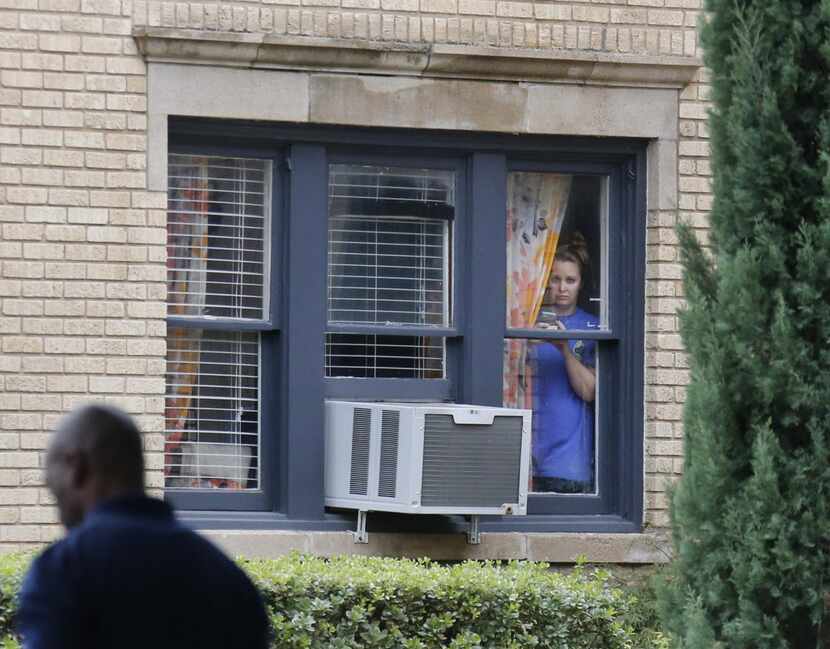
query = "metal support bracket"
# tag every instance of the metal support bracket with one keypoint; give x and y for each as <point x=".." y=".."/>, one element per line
<point x="473" y="533"/>
<point x="361" y="535"/>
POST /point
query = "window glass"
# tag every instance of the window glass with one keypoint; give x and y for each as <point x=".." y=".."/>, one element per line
<point x="371" y="356"/>
<point x="557" y="380"/>
<point x="389" y="265"/>
<point x="388" y="257"/>
<point x="217" y="251"/>
<point x="212" y="409"/>
<point x="556" y="259"/>
<point x="217" y="237"/>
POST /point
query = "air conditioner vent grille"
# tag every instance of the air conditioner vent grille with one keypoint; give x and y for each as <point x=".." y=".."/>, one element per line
<point x="471" y="464"/>
<point x="389" y="429"/>
<point x="361" y="428"/>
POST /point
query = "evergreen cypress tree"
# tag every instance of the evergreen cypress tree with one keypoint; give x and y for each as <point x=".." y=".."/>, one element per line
<point x="750" y="515"/>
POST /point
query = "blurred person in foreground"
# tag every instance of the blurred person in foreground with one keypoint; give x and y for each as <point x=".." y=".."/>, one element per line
<point x="127" y="574"/>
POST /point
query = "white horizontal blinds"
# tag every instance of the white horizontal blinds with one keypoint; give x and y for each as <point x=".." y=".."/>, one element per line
<point x="217" y="251"/>
<point x="388" y="264"/>
<point x="217" y="236"/>
<point x="212" y="409"/>
<point x="389" y="233"/>
<point x="373" y="356"/>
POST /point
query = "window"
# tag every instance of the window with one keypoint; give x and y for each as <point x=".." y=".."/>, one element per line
<point x="218" y="271"/>
<point x="389" y="266"/>
<point x="555" y="284"/>
<point x="310" y="263"/>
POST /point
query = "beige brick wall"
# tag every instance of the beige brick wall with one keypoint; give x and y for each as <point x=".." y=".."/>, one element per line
<point x="82" y="249"/>
<point x="640" y="27"/>
<point x="667" y="371"/>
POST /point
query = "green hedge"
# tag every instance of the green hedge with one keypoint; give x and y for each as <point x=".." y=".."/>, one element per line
<point x="378" y="603"/>
<point x="12" y="568"/>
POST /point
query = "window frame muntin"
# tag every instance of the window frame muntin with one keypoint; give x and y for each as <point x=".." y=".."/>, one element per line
<point x="628" y="155"/>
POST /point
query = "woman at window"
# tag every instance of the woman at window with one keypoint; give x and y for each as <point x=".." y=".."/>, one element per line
<point x="565" y="380"/>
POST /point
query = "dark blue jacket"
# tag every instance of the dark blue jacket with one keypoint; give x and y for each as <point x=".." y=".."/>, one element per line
<point x="130" y="576"/>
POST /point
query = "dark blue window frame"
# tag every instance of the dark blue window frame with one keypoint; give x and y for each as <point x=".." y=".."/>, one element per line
<point x="292" y="496"/>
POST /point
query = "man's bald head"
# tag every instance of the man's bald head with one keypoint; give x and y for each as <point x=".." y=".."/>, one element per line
<point x="95" y="454"/>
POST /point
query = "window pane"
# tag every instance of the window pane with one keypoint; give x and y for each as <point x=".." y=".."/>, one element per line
<point x="370" y="356"/>
<point x="563" y="398"/>
<point x="389" y="243"/>
<point x="217" y="237"/>
<point x="212" y="410"/>
<point x="556" y="259"/>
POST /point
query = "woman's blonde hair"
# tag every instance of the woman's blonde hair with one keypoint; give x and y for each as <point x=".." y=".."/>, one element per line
<point x="573" y="248"/>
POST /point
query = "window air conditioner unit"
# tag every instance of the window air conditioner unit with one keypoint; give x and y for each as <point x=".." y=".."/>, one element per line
<point x="421" y="458"/>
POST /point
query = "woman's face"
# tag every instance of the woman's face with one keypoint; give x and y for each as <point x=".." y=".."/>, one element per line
<point x="564" y="285"/>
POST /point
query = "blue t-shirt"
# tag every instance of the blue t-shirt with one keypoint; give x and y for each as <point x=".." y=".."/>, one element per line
<point x="563" y="424"/>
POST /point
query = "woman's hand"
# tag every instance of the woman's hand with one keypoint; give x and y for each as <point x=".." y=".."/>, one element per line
<point x="583" y="379"/>
<point x="560" y="344"/>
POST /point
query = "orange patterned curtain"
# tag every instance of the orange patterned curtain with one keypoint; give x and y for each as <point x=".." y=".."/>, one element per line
<point x="187" y="252"/>
<point x="536" y="204"/>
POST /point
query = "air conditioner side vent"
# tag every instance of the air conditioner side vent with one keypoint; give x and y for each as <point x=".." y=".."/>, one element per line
<point x="361" y="432"/>
<point x="390" y="424"/>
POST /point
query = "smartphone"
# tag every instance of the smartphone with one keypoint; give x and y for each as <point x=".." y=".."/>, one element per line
<point x="548" y="317"/>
